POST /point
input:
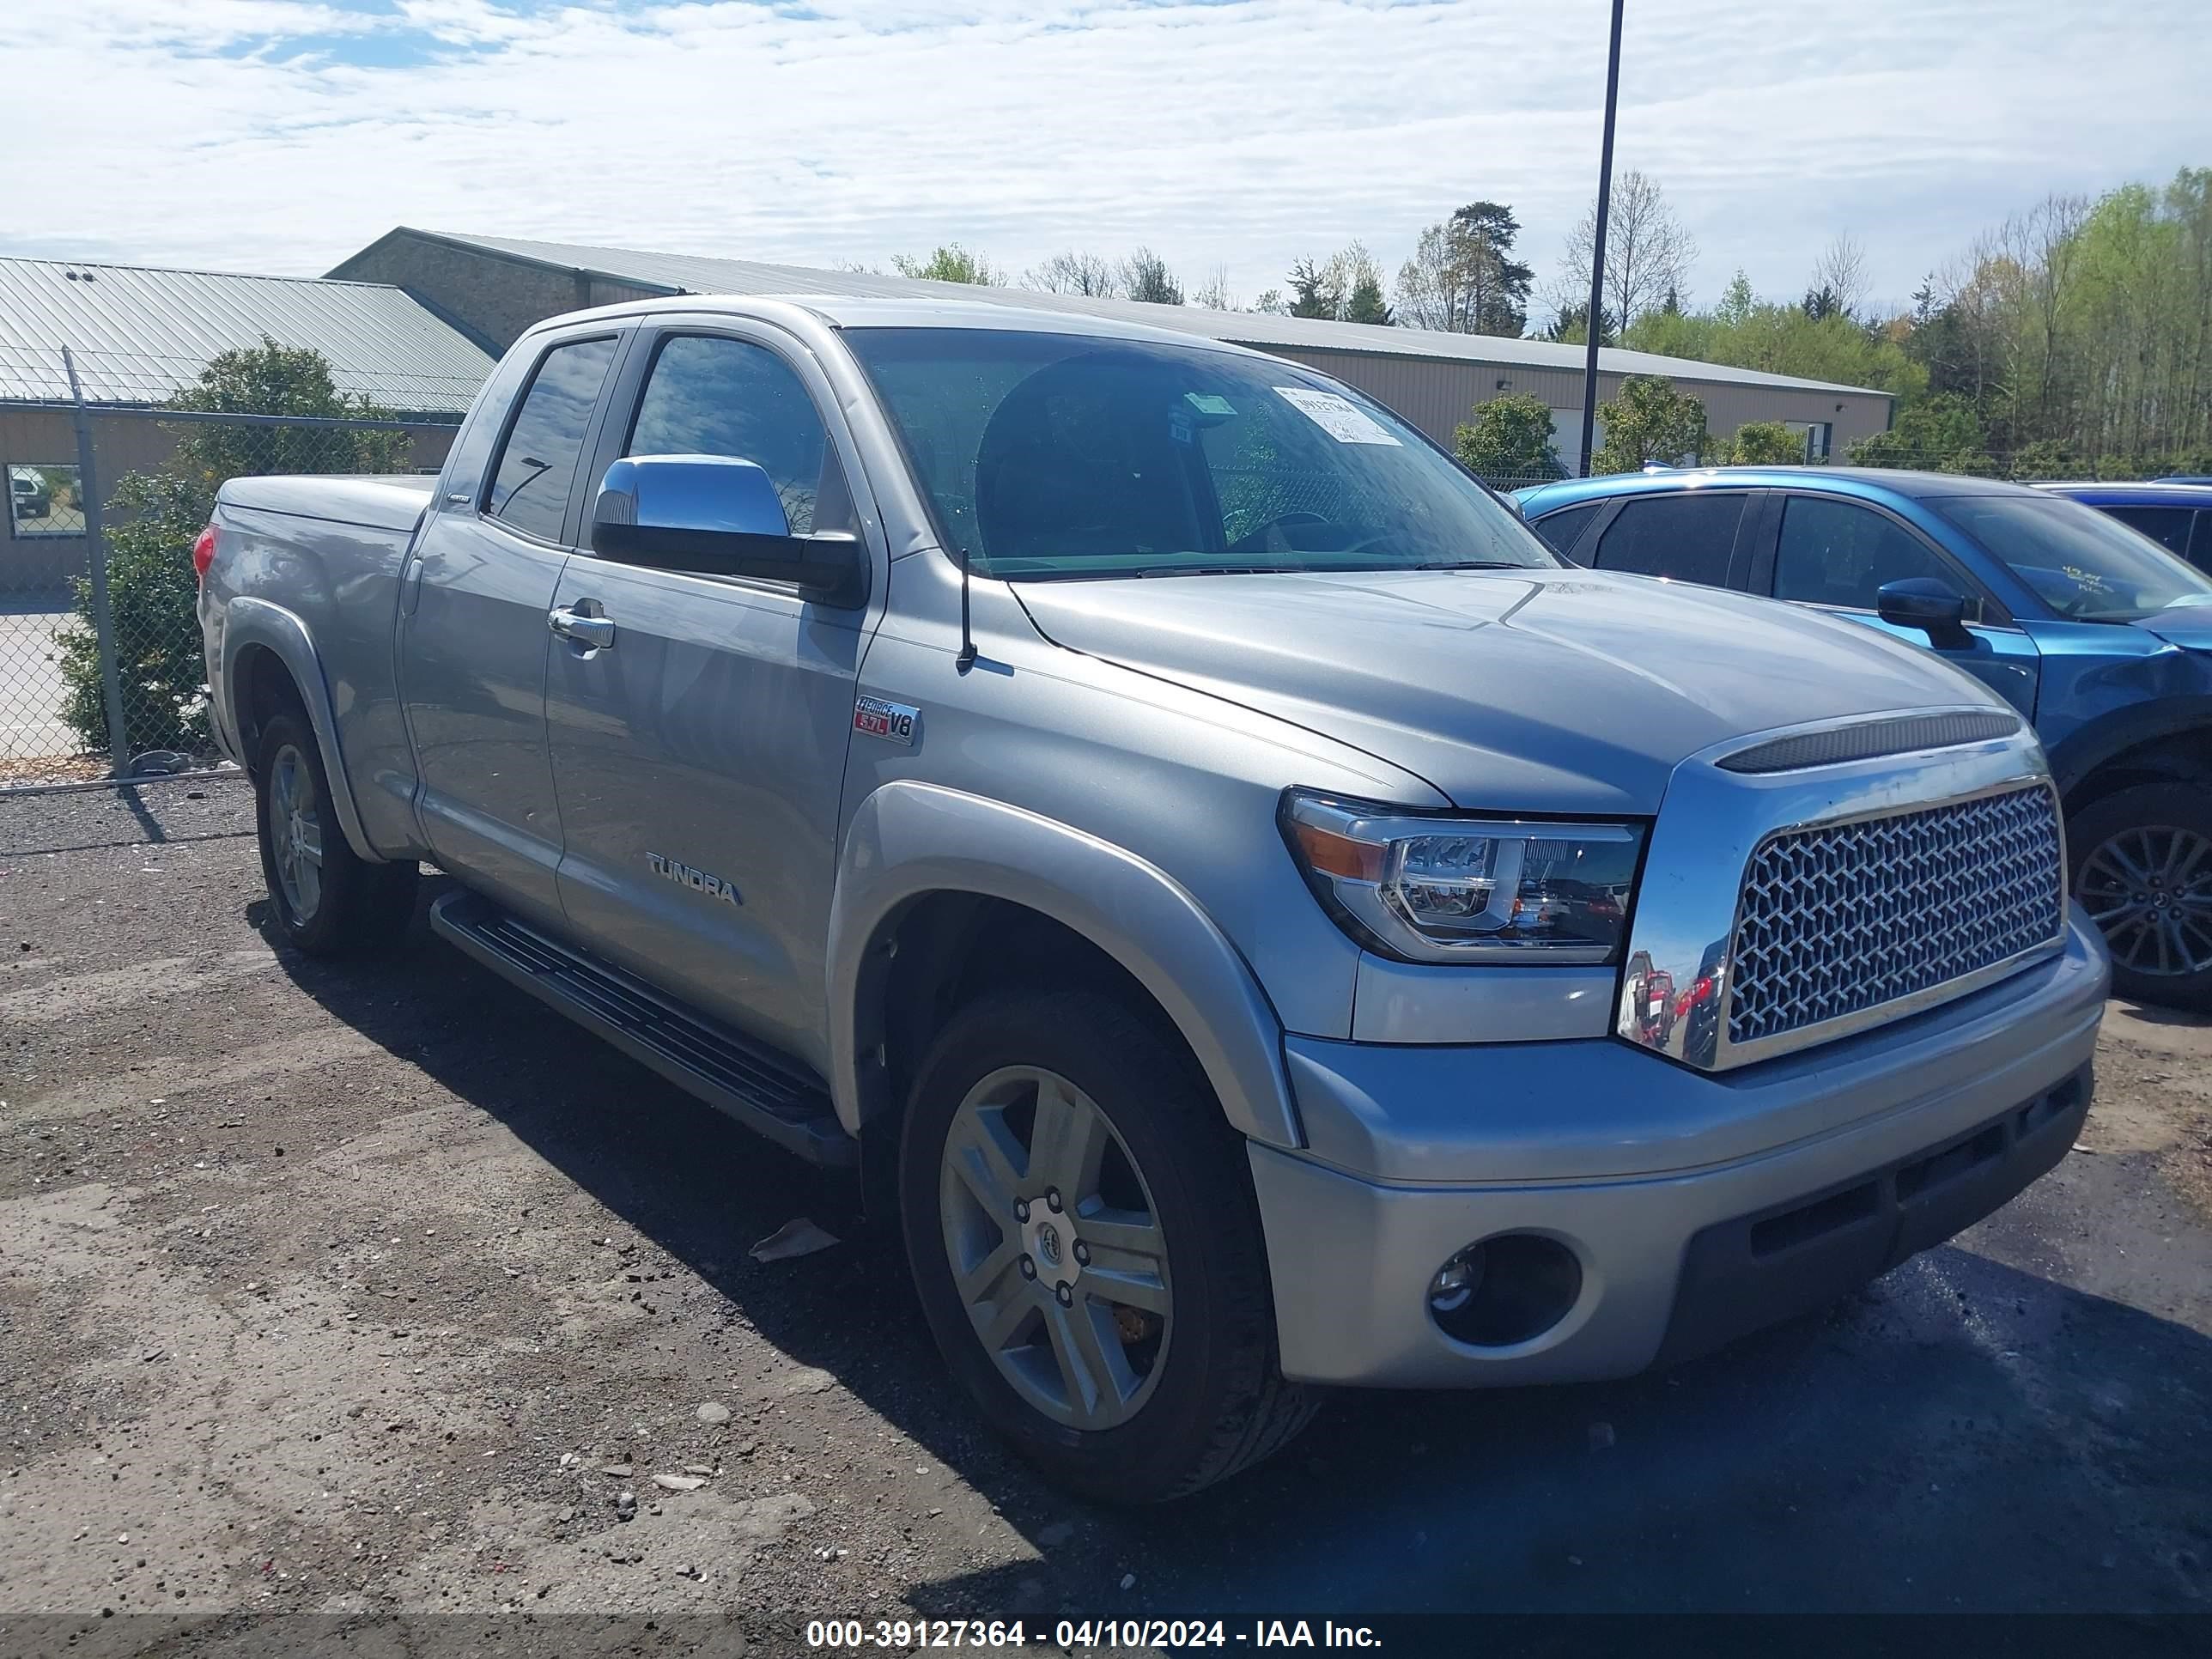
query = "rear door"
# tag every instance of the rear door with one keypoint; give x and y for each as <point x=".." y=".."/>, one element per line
<point x="2169" y="527"/>
<point x="1563" y="528"/>
<point x="1697" y="535"/>
<point x="699" y="754"/>
<point x="473" y="641"/>
<point x="1835" y="554"/>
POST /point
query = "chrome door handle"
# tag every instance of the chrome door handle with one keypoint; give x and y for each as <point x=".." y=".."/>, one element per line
<point x="594" y="633"/>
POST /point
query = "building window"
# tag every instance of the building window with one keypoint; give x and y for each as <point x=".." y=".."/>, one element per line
<point x="1820" y="440"/>
<point x="44" y="500"/>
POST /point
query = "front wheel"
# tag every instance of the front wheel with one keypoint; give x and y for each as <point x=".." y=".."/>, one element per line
<point x="2142" y="869"/>
<point x="1081" y="1226"/>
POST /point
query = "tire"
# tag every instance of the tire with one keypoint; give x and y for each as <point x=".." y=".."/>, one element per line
<point x="2141" y="866"/>
<point x="1196" y="1392"/>
<point x="324" y="897"/>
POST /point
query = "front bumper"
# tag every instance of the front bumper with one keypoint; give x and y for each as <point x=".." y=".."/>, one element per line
<point x="1697" y="1206"/>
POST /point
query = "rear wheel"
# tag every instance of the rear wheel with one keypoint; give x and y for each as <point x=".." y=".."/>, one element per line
<point x="1083" y="1233"/>
<point x="2142" y="869"/>
<point x="326" y="898"/>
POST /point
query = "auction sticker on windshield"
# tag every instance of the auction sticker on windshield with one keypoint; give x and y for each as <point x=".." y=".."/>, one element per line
<point x="1339" y="417"/>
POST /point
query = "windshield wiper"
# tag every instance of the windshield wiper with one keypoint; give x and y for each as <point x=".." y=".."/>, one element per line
<point x="1475" y="564"/>
<point x="1225" y="569"/>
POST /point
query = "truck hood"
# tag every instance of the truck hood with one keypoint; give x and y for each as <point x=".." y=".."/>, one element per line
<point x="1536" y="691"/>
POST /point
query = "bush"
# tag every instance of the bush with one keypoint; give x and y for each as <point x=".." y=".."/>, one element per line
<point x="153" y="596"/>
<point x="1765" y="443"/>
<point x="1651" y="422"/>
<point x="1509" y="438"/>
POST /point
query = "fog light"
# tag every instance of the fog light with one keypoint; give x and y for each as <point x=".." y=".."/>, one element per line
<point x="1505" y="1291"/>
<point x="1457" y="1282"/>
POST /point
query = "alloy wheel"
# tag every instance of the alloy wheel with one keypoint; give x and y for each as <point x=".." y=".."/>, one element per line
<point x="295" y="833"/>
<point x="1055" y="1247"/>
<point x="2150" y="891"/>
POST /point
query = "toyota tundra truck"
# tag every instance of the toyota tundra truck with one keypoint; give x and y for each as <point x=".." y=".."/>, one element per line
<point x="1259" y="919"/>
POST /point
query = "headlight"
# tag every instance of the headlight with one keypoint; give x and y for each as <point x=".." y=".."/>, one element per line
<point x="1463" y="888"/>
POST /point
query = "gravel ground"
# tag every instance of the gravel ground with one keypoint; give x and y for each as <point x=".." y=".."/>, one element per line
<point x="367" y="1288"/>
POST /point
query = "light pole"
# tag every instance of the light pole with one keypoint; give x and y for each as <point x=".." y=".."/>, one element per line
<point x="1595" y="323"/>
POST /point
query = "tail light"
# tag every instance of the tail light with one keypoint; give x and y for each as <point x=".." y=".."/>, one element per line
<point x="203" y="552"/>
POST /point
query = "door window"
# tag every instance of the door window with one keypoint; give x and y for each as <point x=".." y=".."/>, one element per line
<point x="2166" y="525"/>
<point x="1561" y="528"/>
<point x="1839" y="554"/>
<point x="712" y="395"/>
<point x="1689" y="537"/>
<point x="537" y="463"/>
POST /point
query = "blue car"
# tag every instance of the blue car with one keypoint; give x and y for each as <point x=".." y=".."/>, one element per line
<point x="2175" y="514"/>
<point x="2093" y="631"/>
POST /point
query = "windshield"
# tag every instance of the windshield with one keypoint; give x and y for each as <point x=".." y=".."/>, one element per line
<point x="1051" y="456"/>
<point x="2080" y="562"/>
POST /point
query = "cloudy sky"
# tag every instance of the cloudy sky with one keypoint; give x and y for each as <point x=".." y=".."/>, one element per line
<point x="282" y="135"/>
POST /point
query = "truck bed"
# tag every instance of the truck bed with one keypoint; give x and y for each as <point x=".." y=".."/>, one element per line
<point x="388" y="500"/>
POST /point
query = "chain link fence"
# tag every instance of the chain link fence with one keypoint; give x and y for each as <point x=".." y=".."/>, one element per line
<point x="109" y="485"/>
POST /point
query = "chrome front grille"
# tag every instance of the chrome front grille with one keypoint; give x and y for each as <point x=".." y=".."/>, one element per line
<point x="1847" y="918"/>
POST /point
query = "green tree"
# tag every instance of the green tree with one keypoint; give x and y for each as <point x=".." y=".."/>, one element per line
<point x="949" y="262"/>
<point x="1312" y="293"/>
<point x="1649" y="423"/>
<point x="1940" y="433"/>
<point x="1345" y="288"/>
<point x="1463" y="278"/>
<point x="1765" y="443"/>
<point x="1737" y="300"/>
<point x="1365" y="303"/>
<point x="1510" y="439"/>
<point x="153" y="517"/>
<point x="1570" y="326"/>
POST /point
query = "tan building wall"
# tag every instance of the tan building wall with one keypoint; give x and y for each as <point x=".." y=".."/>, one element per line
<point x="36" y="566"/>
<point x="489" y="298"/>
<point x="1435" y="394"/>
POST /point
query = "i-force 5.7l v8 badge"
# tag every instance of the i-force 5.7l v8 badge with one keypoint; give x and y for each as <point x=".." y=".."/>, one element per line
<point x="894" y="722"/>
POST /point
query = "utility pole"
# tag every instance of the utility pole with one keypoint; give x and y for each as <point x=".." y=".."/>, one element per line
<point x="1597" y="248"/>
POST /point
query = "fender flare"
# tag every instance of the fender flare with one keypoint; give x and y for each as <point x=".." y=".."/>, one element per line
<point x="250" y="622"/>
<point x="910" y="839"/>
<point x="2090" y="746"/>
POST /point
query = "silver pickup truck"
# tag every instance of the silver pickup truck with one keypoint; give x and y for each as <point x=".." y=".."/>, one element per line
<point x="1259" y="919"/>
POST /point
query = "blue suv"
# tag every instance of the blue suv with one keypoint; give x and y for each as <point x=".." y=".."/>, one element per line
<point x="2093" y="631"/>
<point x="2177" y="516"/>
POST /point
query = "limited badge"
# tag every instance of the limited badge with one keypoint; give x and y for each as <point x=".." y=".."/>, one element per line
<point x="894" y="722"/>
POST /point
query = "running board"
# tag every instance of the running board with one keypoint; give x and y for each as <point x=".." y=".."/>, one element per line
<point x="767" y="1092"/>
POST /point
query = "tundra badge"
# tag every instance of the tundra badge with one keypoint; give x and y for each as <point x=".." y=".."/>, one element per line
<point x="697" y="880"/>
<point x="894" y="722"/>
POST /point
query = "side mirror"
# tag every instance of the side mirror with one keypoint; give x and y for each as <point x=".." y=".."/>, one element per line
<point x="1933" y="607"/>
<point x="714" y="515"/>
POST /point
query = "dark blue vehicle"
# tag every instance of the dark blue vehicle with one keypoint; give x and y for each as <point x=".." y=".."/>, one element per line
<point x="2177" y="515"/>
<point x="2093" y="631"/>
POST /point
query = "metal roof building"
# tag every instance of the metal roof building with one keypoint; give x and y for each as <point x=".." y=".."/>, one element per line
<point x="497" y="286"/>
<point x="138" y="336"/>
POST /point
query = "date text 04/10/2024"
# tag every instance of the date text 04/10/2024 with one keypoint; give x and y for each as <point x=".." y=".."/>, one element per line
<point x="1080" y="1635"/>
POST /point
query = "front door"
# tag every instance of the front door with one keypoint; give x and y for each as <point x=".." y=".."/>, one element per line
<point x="473" y="640"/>
<point x="699" y="728"/>
<point x="1837" y="555"/>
